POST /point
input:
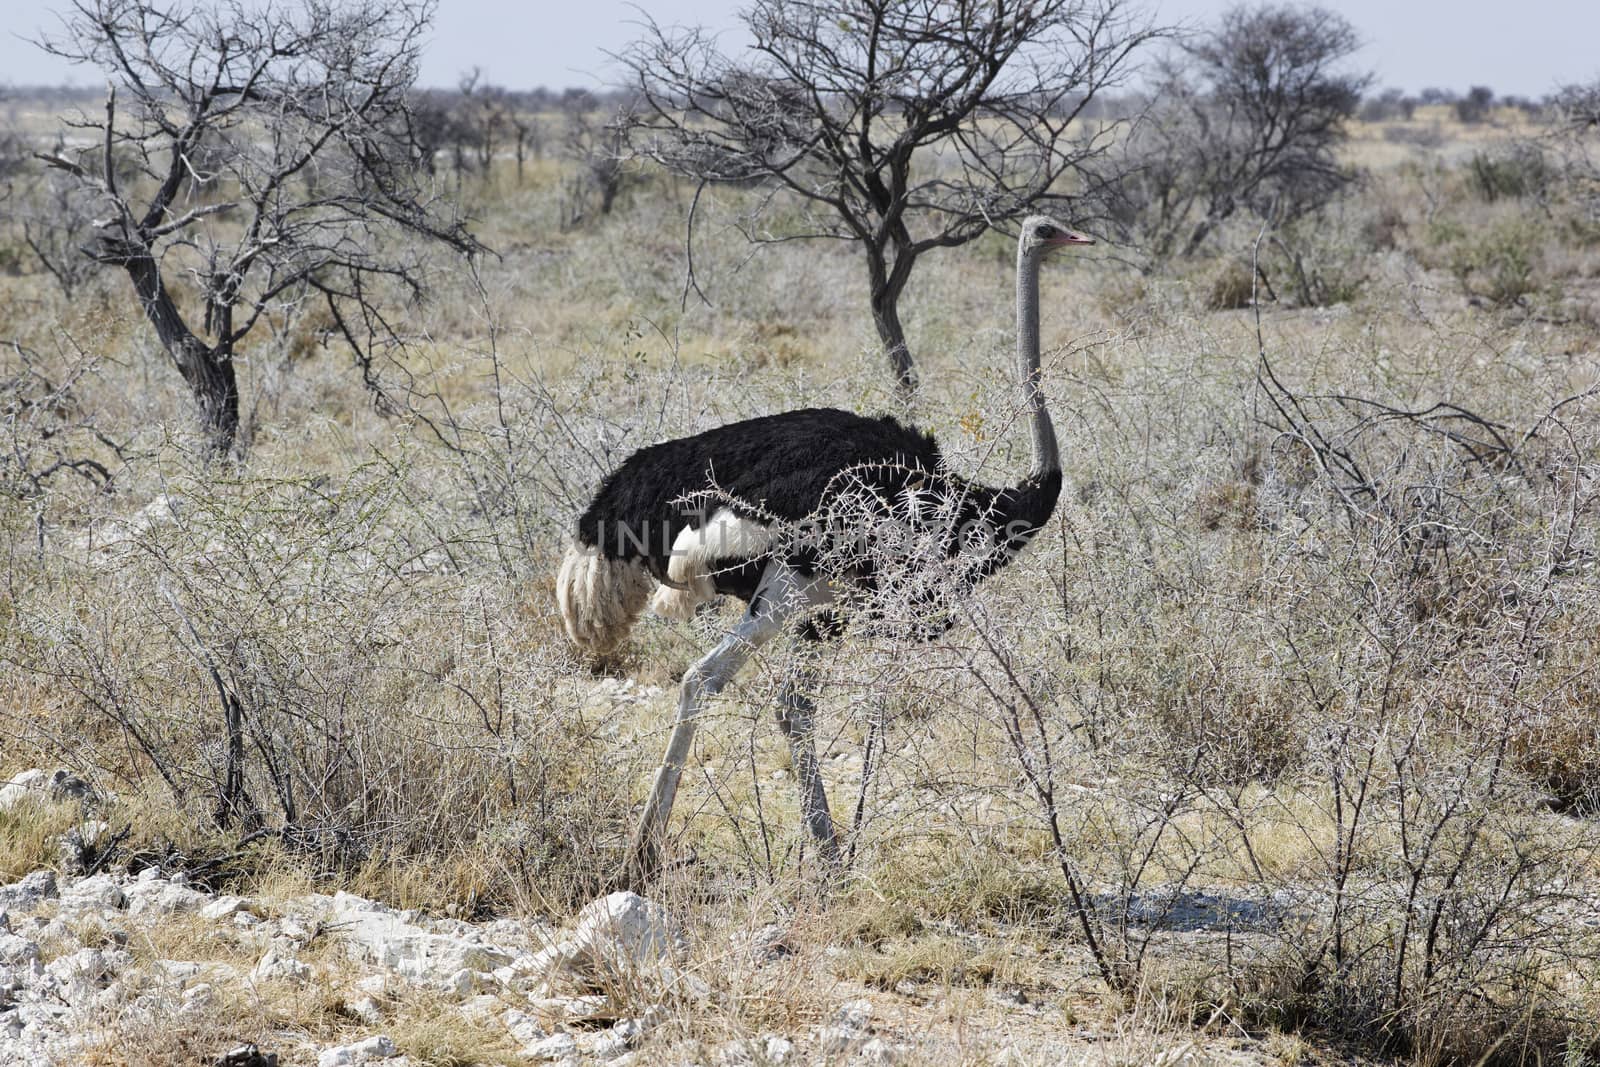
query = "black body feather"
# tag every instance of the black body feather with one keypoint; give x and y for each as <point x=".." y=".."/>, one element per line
<point x="787" y="467"/>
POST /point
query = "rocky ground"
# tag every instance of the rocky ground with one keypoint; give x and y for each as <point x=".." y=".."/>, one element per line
<point x="117" y="967"/>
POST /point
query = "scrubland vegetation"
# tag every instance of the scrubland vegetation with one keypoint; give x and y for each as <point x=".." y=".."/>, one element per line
<point x="1283" y="735"/>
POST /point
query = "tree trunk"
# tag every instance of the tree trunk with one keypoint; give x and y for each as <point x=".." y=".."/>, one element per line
<point x="208" y="369"/>
<point x="887" y="285"/>
<point x="886" y="317"/>
<point x="234" y="804"/>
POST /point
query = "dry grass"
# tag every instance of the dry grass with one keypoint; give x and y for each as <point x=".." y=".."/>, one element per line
<point x="1219" y="655"/>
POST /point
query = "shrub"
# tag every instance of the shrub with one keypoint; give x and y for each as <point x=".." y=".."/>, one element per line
<point x="1498" y="264"/>
<point x="323" y="659"/>
<point x="1512" y="173"/>
<point x="1322" y="258"/>
<point x="1231" y="285"/>
<point x="1474" y="107"/>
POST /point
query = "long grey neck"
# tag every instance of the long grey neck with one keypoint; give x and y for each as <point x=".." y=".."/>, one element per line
<point x="1046" y="454"/>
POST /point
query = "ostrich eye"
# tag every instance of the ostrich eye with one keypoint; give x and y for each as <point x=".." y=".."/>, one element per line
<point x="1047" y="232"/>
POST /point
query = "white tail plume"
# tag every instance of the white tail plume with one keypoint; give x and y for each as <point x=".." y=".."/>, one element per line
<point x="600" y="598"/>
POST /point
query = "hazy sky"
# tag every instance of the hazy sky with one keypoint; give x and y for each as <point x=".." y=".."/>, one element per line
<point x="1526" y="47"/>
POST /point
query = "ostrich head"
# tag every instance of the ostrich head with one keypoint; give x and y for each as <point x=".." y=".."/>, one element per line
<point x="1041" y="234"/>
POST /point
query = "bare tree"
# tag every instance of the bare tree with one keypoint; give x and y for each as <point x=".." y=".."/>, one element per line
<point x="486" y="112"/>
<point x="902" y="125"/>
<point x="528" y="135"/>
<point x="433" y="123"/>
<point x="56" y="221"/>
<point x="1575" y="135"/>
<point x="595" y="145"/>
<point x="1250" y="113"/>
<point x="275" y="152"/>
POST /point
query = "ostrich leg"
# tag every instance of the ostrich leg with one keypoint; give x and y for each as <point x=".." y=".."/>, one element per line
<point x="781" y="594"/>
<point x="795" y="719"/>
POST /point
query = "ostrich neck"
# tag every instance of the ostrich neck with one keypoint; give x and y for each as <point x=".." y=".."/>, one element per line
<point x="1046" y="454"/>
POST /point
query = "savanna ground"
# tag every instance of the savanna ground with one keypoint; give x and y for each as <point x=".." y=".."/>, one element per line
<point x="1299" y="681"/>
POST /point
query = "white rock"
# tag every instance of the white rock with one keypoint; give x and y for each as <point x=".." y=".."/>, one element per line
<point x="482" y="1007"/>
<point x="18" y="952"/>
<point x="222" y="907"/>
<point x="367" y="1009"/>
<point x="375" y="984"/>
<point x="349" y="902"/>
<point x="179" y="969"/>
<point x="376" y="934"/>
<point x="546" y="963"/>
<point x="83" y="971"/>
<point x="854" y="1014"/>
<point x="777" y="1049"/>
<point x="849" y="1028"/>
<point x="881" y="1053"/>
<point x="378" y="1047"/>
<point x="560" y="1046"/>
<point x="156" y="897"/>
<point x="56" y="930"/>
<point x="618" y="936"/>
<point x="199" y="997"/>
<point x="281" y="966"/>
<point x="608" y="1047"/>
<point x="517" y="931"/>
<point x="21" y="785"/>
<point x="735" y="1054"/>
<point x="28" y="893"/>
<point x="524" y="1027"/>
<point x="572" y="1009"/>
<point x="769" y="943"/>
<point x="98" y="892"/>
<point x="622" y="1036"/>
<point x="466" y="982"/>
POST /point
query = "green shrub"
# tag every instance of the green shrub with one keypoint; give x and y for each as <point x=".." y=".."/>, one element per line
<point x="1499" y="264"/>
<point x="1513" y="173"/>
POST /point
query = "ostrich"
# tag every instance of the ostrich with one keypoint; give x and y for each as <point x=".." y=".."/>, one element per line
<point x="649" y="528"/>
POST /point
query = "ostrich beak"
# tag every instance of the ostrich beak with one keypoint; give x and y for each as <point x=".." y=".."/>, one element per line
<point x="1070" y="237"/>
